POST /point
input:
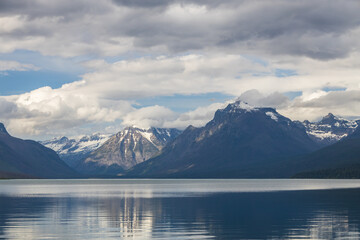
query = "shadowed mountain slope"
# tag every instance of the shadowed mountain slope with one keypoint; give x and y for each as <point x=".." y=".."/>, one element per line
<point x="240" y="142"/>
<point x="335" y="161"/>
<point x="26" y="158"/>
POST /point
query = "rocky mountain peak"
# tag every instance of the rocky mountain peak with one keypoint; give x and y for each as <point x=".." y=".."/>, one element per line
<point x="330" y="129"/>
<point x="238" y="139"/>
<point x="125" y="149"/>
<point x="330" y="115"/>
<point x="3" y="129"/>
<point x="241" y="109"/>
<point x="61" y="139"/>
<point x="134" y="128"/>
<point x="329" y="119"/>
<point x="71" y="150"/>
<point x="239" y="106"/>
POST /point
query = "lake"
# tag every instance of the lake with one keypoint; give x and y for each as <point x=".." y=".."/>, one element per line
<point x="179" y="209"/>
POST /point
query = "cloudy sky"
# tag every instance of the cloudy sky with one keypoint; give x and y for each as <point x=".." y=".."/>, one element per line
<point x="74" y="67"/>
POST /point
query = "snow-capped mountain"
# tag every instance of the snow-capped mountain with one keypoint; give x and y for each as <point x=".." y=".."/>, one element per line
<point x="71" y="150"/>
<point x="330" y="129"/>
<point x="241" y="141"/>
<point x="125" y="149"/>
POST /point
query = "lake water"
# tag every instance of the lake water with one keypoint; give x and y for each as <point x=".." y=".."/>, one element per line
<point x="179" y="209"/>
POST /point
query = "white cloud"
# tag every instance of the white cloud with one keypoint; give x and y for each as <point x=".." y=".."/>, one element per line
<point x="197" y="118"/>
<point x="47" y="110"/>
<point x="154" y="116"/>
<point x="16" y="66"/>
<point x="96" y="64"/>
<point x="10" y="23"/>
<point x="109" y="92"/>
<point x="274" y="100"/>
<point x="226" y="73"/>
<point x="159" y="116"/>
<point x="191" y="74"/>
<point x="342" y="103"/>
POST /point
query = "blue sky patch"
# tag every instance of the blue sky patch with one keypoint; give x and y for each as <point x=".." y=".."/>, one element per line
<point x="47" y="63"/>
<point x="285" y="72"/>
<point x="18" y="82"/>
<point x="333" y="89"/>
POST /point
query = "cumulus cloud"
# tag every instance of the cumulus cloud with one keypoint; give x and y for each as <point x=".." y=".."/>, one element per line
<point x="159" y="116"/>
<point x="255" y="98"/>
<point x="342" y="103"/>
<point x="197" y="118"/>
<point x="109" y="93"/>
<point x="48" y="110"/>
<point x="226" y="73"/>
<point x="154" y="116"/>
<point x="190" y="74"/>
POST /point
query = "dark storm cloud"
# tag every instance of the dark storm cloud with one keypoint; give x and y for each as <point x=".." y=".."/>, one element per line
<point x="318" y="29"/>
<point x="32" y="9"/>
<point x="165" y="3"/>
<point x="10" y="5"/>
<point x="310" y="28"/>
<point x="143" y="4"/>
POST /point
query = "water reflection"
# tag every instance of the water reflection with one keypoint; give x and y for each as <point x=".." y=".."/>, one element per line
<point x="319" y="214"/>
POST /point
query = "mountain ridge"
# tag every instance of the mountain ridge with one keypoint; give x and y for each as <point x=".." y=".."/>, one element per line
<point x="238" y="139"/>
<point x="29" y="159"/>
<point x="330" y="129"/>
<point x="337" y="159"/>
<point x="72" y="150"/>
<point x="125" y="149"/>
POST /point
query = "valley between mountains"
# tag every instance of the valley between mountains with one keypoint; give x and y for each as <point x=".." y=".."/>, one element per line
<point x="241" y="141"/>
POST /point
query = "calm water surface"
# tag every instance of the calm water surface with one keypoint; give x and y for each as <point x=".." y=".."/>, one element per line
<point x="179" y="209"/>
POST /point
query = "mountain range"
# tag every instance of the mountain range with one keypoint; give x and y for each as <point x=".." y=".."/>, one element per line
<point x="29" y="159"/>
<point x="339" y="160"/>
<point x="72" y="150"/>
<point x="240" y="142"/>
<point x="330" y="129"/>
<point x="126" y="149"/>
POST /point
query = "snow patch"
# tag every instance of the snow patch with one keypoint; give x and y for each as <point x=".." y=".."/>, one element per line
<point x="335" y="131"/>
<point x="244" y="106"/>
<point x="272" y="115"/>
<point x="76" y="144"/>
<point x="326" y="135"/>
<point x="147" y="135"/>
